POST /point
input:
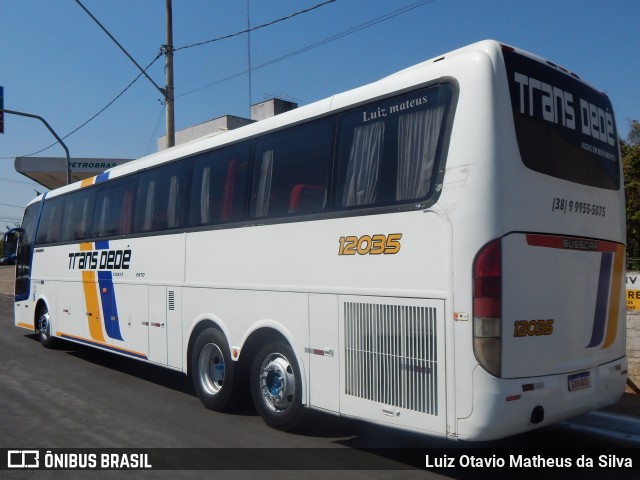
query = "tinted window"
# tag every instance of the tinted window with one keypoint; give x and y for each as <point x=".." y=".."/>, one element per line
<point x="390" y="151"/>
<point x="291" y="171"/>
<point x="161" y="200"/>
<point x="25" y="251"/>
<point x="50" y="230"/>
<point x="113" y="208"/>
<point x="219" y="186"/>
<point x="78" y="215"/>
<point x="564" y="128"/>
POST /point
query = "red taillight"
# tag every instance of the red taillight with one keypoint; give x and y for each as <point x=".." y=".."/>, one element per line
<point x="487" y="307"/>
<point x="487" y="282"/>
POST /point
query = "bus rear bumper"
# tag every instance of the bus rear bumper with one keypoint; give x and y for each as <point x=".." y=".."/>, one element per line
<point x="504" y="407"/>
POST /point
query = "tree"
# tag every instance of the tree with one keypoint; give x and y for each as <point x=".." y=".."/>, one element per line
<point x="630" y="150"/>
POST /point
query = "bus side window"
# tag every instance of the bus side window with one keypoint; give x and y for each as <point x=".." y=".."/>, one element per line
<point x="112" y="214"/>
<point x="388" y="151"/>
<point x="363" y="165"/>
<point x="418" y="136"/>
<point x="307" y="198"/>
<point x="219" y="186"/>
<point x="291" y="171"/>
<point x="55" y="225"/>
<point x="126" y="214"/>
<point x="161" y="199"/>
<point x="230" y="181"/>
<point x="50" y="230"/>
<point x="76" y="223"/>
<point x="262" y="197"/>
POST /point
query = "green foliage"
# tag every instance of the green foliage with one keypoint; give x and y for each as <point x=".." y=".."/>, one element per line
<point x="630" y="150"/>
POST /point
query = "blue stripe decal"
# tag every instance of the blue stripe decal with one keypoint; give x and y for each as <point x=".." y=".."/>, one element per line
<point x="102" y="245"/>
<point x="108" y="297"/>
<point x="109" y="309"/>
<point x="103" y="177"/>
<point x="602" y="300"/>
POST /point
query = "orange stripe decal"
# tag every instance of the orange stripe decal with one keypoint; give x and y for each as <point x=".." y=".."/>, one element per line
<point x="91" y="299"/>
<point x="26" y="325"/>
<point x="93" y="308"/>
<point x="102" y="344"/>
<point x="86" y="182"/>
<point x="614" y="297"/>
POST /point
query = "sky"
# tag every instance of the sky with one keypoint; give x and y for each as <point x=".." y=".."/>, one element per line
<point x="56" y="62"/>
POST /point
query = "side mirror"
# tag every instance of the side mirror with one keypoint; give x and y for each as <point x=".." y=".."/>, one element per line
<point x="10" y="241"/>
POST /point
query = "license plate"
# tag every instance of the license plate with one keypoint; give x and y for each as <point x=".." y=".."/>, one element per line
<point x="578" y="381"/>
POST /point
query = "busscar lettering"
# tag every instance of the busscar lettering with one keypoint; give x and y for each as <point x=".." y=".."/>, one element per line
<point x="100" y="260"/>
<point x="589" y="245"/>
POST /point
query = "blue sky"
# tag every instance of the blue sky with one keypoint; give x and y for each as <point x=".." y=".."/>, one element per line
<point x="57" y="63"/>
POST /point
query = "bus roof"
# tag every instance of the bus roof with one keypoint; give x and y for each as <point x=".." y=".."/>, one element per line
<point x="416" y="74"/>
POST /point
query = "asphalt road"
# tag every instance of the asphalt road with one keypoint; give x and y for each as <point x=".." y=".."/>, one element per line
<point x="76" y="397"/>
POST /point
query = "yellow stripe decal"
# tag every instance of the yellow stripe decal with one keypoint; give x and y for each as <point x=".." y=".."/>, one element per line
<point x="86" y="182"/>
<point x="614" y="297"/>
<point x="91" y="299"/>
<point x="26" y="325"/>
<point x="102" y="344"/>
<point x="93" y="308"/>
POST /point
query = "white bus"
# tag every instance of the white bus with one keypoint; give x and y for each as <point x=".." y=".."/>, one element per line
<point x="440" y="251"/>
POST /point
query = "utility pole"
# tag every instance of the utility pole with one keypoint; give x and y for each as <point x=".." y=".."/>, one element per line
<point x="171" y="132"/>
<point x="167" y="93"/>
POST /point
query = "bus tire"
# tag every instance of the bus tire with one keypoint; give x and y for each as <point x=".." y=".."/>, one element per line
<point x="43" y="325"/>
<point x="212" y="370"/>
<point x="276" y="386"/>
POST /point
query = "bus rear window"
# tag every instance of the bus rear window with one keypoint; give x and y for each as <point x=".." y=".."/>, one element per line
<point x="564" y="128"/>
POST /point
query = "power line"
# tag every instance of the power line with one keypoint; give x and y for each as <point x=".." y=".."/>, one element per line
<point x="268" y="24"/>
<point x="97" y="114"/>
<point x="11" y="180"/>
<point x="15" y="221"/>
<point x="143" y="71"/>
<point x="9" y="205"/>
<point x="155" y="130"/>
<point x="319" y="43"/>
<point x="267" y="63"/>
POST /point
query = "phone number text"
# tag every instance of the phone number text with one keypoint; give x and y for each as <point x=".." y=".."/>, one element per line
<point x="563" y="205"/>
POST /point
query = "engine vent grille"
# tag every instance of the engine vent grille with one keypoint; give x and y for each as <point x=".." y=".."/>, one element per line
<point x="390" y="355"/>
<point x="171" y="297"/>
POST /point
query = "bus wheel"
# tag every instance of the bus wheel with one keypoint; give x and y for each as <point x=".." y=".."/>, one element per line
<point x="276" y="386"/>
<point x="44" y="327"/>
<point x="212" y="369"/>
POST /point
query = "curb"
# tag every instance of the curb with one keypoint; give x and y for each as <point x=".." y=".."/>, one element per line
<point x="612" y="425"/>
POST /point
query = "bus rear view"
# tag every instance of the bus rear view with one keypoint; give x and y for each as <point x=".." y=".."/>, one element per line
<point x="547" y="289"/>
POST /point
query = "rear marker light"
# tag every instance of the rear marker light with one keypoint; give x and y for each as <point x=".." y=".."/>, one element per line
<point x="487" y="307"/>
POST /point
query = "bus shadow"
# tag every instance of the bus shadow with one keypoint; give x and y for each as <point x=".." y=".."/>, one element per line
<point x="144" y="371"/>
<point x="387" y="447"/>
<point x="156" y="374"/>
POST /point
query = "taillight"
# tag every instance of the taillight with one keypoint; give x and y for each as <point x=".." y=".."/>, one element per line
<point x="487" y="307"/>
